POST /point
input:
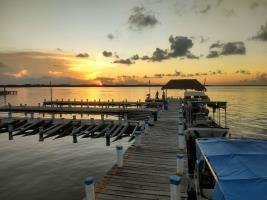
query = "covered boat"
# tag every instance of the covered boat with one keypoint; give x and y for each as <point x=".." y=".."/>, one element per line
<point x="231" y="169"/>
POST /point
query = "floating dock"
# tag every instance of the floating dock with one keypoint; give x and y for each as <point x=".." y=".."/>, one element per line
<point x="147" y="168"/>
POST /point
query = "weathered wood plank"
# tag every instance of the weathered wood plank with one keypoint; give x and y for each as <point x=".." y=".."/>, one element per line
<point x="147" y="169"/>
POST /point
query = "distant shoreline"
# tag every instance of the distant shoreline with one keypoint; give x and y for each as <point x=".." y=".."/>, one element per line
<point x="29" y="85"/>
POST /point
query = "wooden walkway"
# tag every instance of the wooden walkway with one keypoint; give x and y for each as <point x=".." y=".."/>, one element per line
<point x="146" y="171"/>
<point x="87" y="103"/>
<point x="130" y="112"/>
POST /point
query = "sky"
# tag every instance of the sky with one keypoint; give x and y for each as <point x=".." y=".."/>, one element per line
<point x="131" y="42"/>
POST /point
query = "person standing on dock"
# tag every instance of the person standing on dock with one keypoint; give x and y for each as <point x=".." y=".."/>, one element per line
<point x="163" y="96"/>
<point x="157" y="96"/>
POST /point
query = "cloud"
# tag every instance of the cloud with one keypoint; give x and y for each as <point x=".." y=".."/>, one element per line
<point x="262" y="33"/>
<point x="218" y="72"/>
<point x="54" y="73"/>
<point x="180" y="46"/>
<point x="145" y="58"/>
<point x="183" y="75"/>
<point x="141" y="18"/>
<point x="226" y="49"/>
<point x="206" y="9"/>
<point x="124" y="61"/>
<point x="107" y="53"/>
<point x="191" y="56"/>
<point x="260" y="79"/>
<point x="213" y="54"/>
<point x="203" y="39"/>
<point x="229" y="12"/>
<point x="217" y="44"/>
<point x="232" y="48"/>
<point x="105" y="80"/>
<point x="159" y="55"/>
<point x="242" y="72"/>
<point x="110" y="36"/>
<point x="2" y="65"/>
<point x="254" y="5"/>
<point x="135" y="57"/>
<point x="19" y="74"/>
<point x="82" y="55"/>
<point x="219" y="2"/>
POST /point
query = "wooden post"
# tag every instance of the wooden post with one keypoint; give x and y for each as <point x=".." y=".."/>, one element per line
<point x="74" y="135"/>
<point x="108" y="137"/>
<point x="10" y="129"/>
<point x="41" y="134"/>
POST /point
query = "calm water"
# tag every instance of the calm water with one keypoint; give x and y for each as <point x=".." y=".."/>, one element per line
<point x="55" y="169"/>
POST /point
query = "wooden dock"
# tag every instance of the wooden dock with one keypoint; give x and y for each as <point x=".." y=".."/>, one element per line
<point x="139" y="113"/>
<point x="146" y="171"/>
<point x="8" y="92"/>
<point x="112" y="103"/>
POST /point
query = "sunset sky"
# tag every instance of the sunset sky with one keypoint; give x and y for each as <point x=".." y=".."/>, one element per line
<point x="132" y="42"/>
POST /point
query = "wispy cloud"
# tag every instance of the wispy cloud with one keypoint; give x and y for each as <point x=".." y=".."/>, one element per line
<point x="262" y="33"/>
<point x="230" y="48"/>
<point x="141" y="18"/>
<point x="82" y="55"/>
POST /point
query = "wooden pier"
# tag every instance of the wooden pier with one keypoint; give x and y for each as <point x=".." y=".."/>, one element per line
<point x="8" y="92"/>
<point x="139" y="113"/>
<point x="99" y="103"/>
<point x="146" y="171"/>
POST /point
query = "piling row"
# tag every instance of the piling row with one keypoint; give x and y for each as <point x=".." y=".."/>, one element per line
<point x="58" y="128"/>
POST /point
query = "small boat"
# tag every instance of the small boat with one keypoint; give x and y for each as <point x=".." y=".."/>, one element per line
<point x="231" y="169"/>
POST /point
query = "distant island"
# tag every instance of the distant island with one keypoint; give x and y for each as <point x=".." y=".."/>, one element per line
<point x="92" y="85"/>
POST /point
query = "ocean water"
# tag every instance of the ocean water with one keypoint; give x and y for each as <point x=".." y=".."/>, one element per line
<point x="55" y="169"/>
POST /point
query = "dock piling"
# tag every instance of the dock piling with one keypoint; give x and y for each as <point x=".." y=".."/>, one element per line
<point x="119" y="150"/>
<point x="108" y="137"/>
<point x="175" y="188"/>
<point x="89" y="188"/>
<point x="74" y="135"/>
<point x="10" y="129"/>
<point x="137" y="136"/>
<point x="41" y="134"/>
<point x="181" y="141"/>
<point x="180" y="164"/>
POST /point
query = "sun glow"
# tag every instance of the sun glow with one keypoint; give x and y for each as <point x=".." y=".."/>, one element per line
<point x="88" y="68"/>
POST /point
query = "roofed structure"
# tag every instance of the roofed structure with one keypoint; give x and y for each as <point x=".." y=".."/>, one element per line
<point x="184" y="84"/>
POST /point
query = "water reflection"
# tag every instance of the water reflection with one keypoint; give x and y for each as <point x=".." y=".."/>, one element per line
<point x="55" y="169"/>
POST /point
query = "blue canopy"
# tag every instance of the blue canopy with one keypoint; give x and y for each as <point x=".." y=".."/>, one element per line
<point x="240" y="166"/>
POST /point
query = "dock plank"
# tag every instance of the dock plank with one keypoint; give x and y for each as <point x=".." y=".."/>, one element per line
<point x="146" y="171"/>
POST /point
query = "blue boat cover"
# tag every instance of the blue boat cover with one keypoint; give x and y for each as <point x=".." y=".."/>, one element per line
<point x="240" y="166"/>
